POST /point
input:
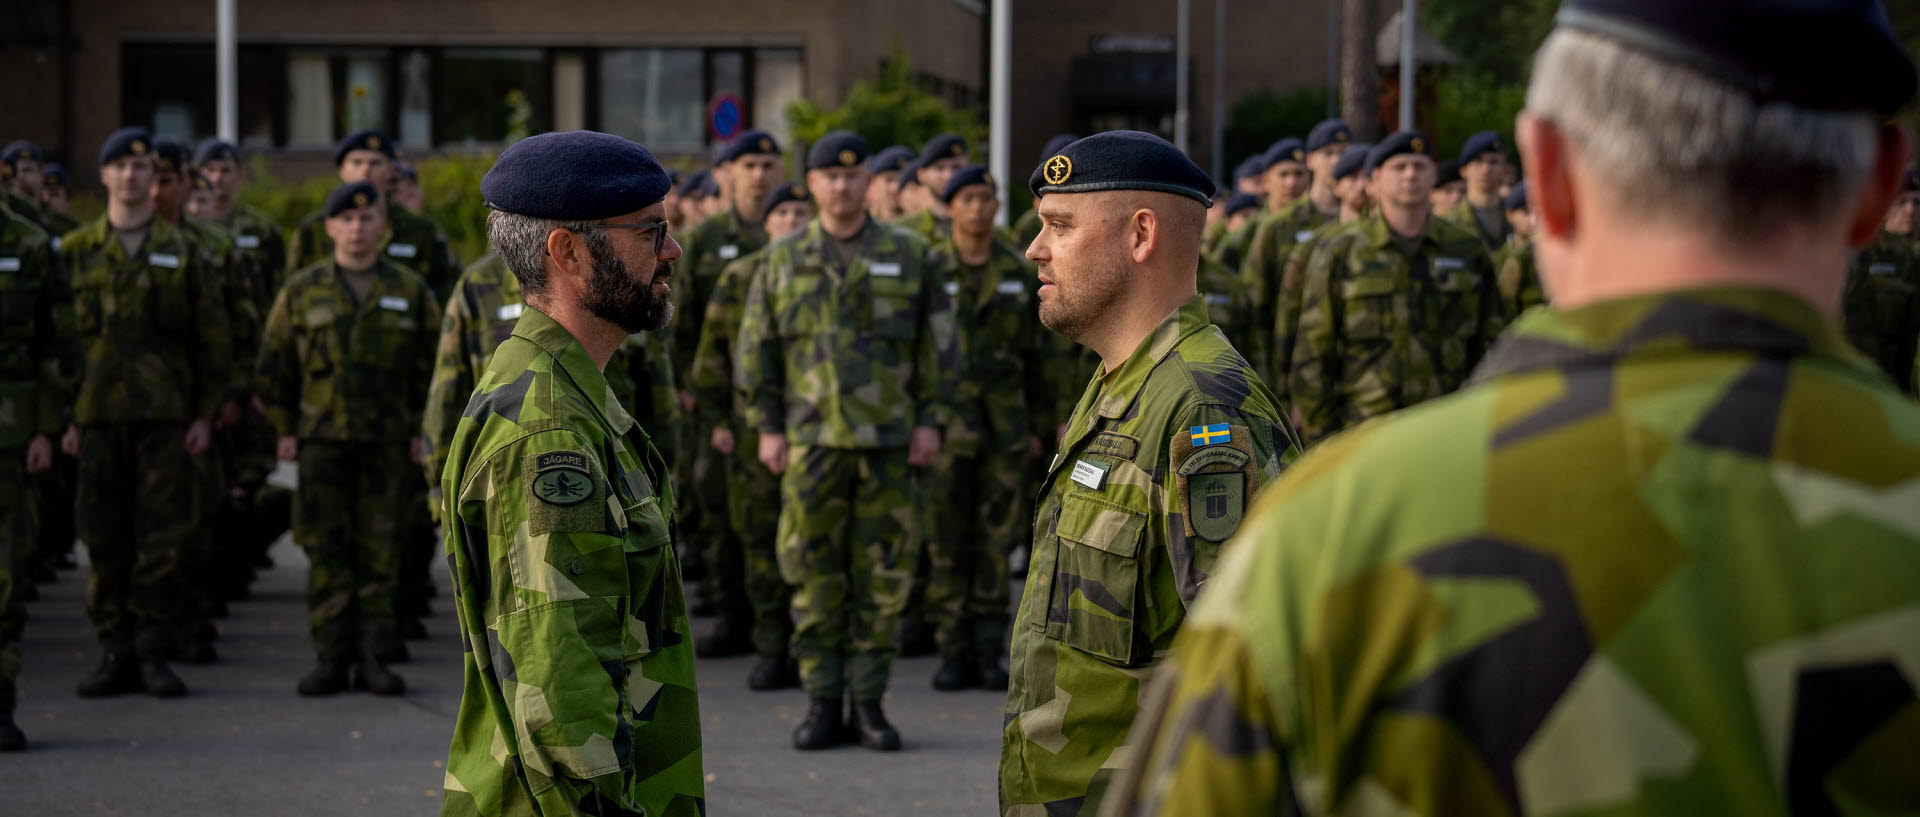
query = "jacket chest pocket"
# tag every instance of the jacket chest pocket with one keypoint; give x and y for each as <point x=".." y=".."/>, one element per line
<point x="1094" y="600"/>
<point x="94" y="300"/>
<point x="387" y="334"/>
<point x="318" y="342"/>
<point x="20" y="294"/>
<point x="892" y="306"/>
<point x="1368" y="301"/>
<point x="804" y="304"/>
<point x="648" y="581"/>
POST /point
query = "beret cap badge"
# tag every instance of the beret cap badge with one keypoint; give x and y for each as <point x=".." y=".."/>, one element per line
<point x="957" y="150"/>
<point x="373" y="142"/>
<point x="1419" y="145"/>
<point x="766" y="144"/>
<point x="359" y="199"/>
<point x="847" y="158"/>
<point x="1058" y="170"/>
<point x="138" y="147"/>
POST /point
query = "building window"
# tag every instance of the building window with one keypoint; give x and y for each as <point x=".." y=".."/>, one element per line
<point x="333" y="93"/>
<point x="777" y="82"/>
<point x="654" y="96"/>
<point x="491" y="95"/>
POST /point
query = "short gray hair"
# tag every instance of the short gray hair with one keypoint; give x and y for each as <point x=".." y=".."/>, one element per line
<point x="521" y="241"/>
<point x="1673" y="144"/>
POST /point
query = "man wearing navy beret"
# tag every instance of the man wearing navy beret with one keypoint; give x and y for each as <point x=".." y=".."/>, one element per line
<point x="1171" y="439"/>
<point x="848" y="364"/>
<point x="1653" y="560"/>
<point x="1513" y="263"/>
<point x="1350" y="187"/>
<point x="1882" y="302"/>
<point x="747" y="169"/>
<point x="24" y="163"/>
<point x="883" y="195"/>
<point x="1484" y="167"/>
<point x="940" y="158"/>
<point x="1284" y="227"/>
<point x="413" y="241"/>
<point x="580" y="694"/>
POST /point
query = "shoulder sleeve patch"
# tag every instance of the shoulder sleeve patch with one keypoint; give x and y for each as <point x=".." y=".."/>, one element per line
<point x="565" y="492"/>
<point x="1213" y="479"/>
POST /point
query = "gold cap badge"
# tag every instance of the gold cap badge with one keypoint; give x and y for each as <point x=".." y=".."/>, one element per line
<point x="1419" y="146"/>
<point x="373" y="143"/>
<point x="766" y="145"/>
<point x="1057" y="170"/>
<point x="138" y="147"/>
<point x="359" y="199"/>
<point x="847" y="158"/>
<point x="958" y="150"/>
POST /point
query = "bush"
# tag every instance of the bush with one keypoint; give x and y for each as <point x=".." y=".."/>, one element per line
<point x="451" y="185"/>
<point x="890" y="109"/>
<point x="1260" y="118"/>
<point x="1466" y="103"/>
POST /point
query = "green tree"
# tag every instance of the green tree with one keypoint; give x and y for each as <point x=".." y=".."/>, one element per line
<point x="889" y="109"/>
<point x="1260" y="118"/>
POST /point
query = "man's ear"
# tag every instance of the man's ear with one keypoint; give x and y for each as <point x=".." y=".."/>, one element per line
<point x="1143" y="228"/>
<point x="566" y="252"/>
<point x="1550" y="181"/>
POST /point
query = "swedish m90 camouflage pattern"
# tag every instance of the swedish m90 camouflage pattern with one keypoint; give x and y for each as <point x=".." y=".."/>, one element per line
<point x="1286" y="311"/>
<point x="979" y="485"/>
<point x="261" y="249"/>
<point x="1714" y="611"/>
<point x="1465" y="217"/>
<point x="1159" y="461"/>
<point x="1227" y="300"/>
<point x="923" y="223"/>
<point x="1882" y="306"/>
<point x="580" y="694"/>
<point x="752" y="491"/>
<point x="1386" y="323"/>
<point x="334" y="367"/>
<point x="412" y="241"/>
<point x="1265" y="256"/>
<point x="1518" y="277"/>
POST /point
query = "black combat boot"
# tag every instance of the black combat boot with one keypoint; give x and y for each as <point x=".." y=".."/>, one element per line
<point x="329" y="677"/>
<point x="159" y="679"/>
<point x="116" y="674"/>
<point x="957" y="672"/>
<point x="875" y="732"/>
<point x="11" y="738"/>
<point x="731" y="635"/>
<point x="373" y="676"/>
<point x="822" y="728"/>
<point x="773" y="672"/>
<point x="992" y="675"/>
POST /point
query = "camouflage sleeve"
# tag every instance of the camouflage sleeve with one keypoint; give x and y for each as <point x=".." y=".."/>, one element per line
<point x="300" y="245"/>
<point x="1494" y="314"/>
<point x="277" y="373"/>
<point x="1260" y="275"/>
<point x="423" y="355"/>
<point x="1211" y="481"/>
<point x="444" y="266"/>
<point x="711" y="375"/>
<point x="690" y="299"/>
<point x="57" y="351"/>
<point x="1286" y="319"/>
<point x="937" y="365"/>
<point x="216" y="371"/>
<point x="1314" y="379"/>
<point x="243" y="319"/>
<point x="760" y="373"/>
<point x="451" y="387"/>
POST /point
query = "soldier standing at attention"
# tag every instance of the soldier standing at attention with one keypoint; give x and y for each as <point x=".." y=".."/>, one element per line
<point x="1350" y="186"/>
<point x="883" y="195"/>
<point x="1448" y="188"/>
<point x="1484" y="166"/>
<point x="1881" y="305"/>
<point x="1278" y="234"/>
<point x="24" y="162"/>
<point x="36" y="327"/>
<point x="752" y="492"/>
<point x="848" y="360"/>
<point x="1437" y="615"/>
<point x="411" y="241"/>
<point x="153" y="330"/>
<point x="940" y="158"/>
<point x="979" y="482"/>
<point x="1513" y="264"/>
<point x="1172" y="436"/>
<point x="52" y="489"/>
<point x="343" y="373"/>
<point x="748" y="170"/>
<point x="56" y="193"/>
<point x="580" y="694"/>
<point x="1396" y="308"/>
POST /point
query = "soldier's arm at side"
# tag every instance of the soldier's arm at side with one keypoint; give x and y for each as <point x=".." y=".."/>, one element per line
<point x="422" y="354"/>
<point x="936" y="383"/>
<point x="277" y="373"/>
<point x="1495" y="313"/>
<point x="217" y="370"/>
<point x="451" y="387"/>
<point x="1313" y="379"/>
<point x="760" y="374"/>
<point x="55" y="348"/>
<point x="1210" y="486"/>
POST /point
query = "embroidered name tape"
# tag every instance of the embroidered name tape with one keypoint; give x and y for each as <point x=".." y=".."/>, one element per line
<point x="1449" y="264"/>
<point x="1882" y="269"/>
<point x="1011" y="287"/>
<point x="9" y="265"/>
<point x="953" y="289"/>
<point x="728" y="252"/>
<point x="508" y="312"/>
<point x="398" y="250"/>
<point x="1092" y="475"/>
<point x="884" y="269"/>
<point x="247" y="242"/>
<point x="1302" y="236"/>
<point x="394" y="303"/>
<point x="161" y="259"/>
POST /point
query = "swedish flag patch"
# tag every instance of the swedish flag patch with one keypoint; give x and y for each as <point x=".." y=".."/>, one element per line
<point x="1215" y="434"/>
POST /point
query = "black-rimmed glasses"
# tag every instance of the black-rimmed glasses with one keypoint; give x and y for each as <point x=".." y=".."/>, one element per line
<point x="659" y="234"/>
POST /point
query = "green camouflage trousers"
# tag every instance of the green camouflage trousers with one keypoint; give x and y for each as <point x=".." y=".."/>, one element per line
<point x="350" y="512"/>
<point x="53" y="495"/>
<point x="847" y="545"/>
<point x="18" y="546"/>
<point x="980" y="511"/>
<point x="138" y="509"/>
<point x="753" y="504"/>
<point x="708" y="487"/>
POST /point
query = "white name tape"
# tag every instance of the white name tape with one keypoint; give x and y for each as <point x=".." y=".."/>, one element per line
<point x="402" y="250"/>
<point x="953" y="289"/>
<point x="247" y="242"/>
<point x="161" y="259"/>
<point x="728" y="252"/>
<point x="885" y="269"/>
<point x="1882" y="269"/>
<point x="508" y="312"/>
<point x="1449" y="264"/>
<point x="9" y="265"/>
<point x="1088" y="474"/>
<point x="394" y="303"/>
<point x="1217" y="299"/>
<point x="1011" y="287"/>
<point x="1302" y="236"/>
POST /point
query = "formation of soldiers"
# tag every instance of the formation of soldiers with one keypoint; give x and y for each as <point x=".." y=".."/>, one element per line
<point x="850" y="399"/>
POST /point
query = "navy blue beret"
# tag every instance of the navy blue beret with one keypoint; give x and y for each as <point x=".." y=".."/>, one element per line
<point x="970" y="175"/>
<point x="944" y="146"/>
<point x="21" y="149"/>
<point x="56" y="176"/>
<point x="1352" y="160"/>
<point x="1448" y="174"/>
<point x="1517" y="197"/>
<point x="750" y="142"/>
<point x="406" y="172"/>
<point x="1253" y="166"/>
<point x="1406" y="141"/>
<point x="215" y="150"/>
<point x="126" y="142"/>
<point x="709" y="184"/>
<point x="201" y="182"/>
<point x="841" y="148"/>
<point x="1329" y="132"/>
<point x="1241" y="201"/>
<point x="785" y="192"/>
<point x="909" y="174"/>
<point x="890" y="159"/>
<point x="1909" y="181"/>
<point x="574" y="176"/>
<point x="1286" y="150"/>
<point x="1820" y="54"/>
<point x="351" y="196"/>
<point x="695" y="183"/>
<point x="1122" y="160"/>
<point x="1483" y="142"/>
<point x="369" y="139"/>
<point x="1059" y="140"/>
<point x="171" y="156"/>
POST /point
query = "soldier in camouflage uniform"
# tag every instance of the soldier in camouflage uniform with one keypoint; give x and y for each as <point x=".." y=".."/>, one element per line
<point x="940" y="158"/>
<point x="36" y="362"/>
<point x="1172" y="436"/>
<point x="580" y="694"/>
<point x="1287" y="225"/>
<point x="1396" y="307"/>
<point x="750" y="168"/>
<point x="1437" y="615"/>
<point x="343" y="372"/>
<point x="847" y="354"/>
<point x="752" y="492"/>
<point x="29" y="181"/>
<point x="1350" y="187"/>
<point x="883" y="195"/>
<point x="1881" y="302"/>
<point x="1484" y="168"/>
<point x="412" y="241"/>
<point x="23" y="162"/>
<point x="152" y="325"/>
<point x="1513" y="265"/>
<point x="980" y="477"/>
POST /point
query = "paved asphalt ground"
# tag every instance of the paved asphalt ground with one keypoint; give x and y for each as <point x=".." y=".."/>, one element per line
<point x="242" y="743"/>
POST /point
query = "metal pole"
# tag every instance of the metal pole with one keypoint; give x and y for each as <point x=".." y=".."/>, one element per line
<point x="1333" y="58"/>
<point x="227" y="87"/>
<point x="1180" y="77"/>
<point x="1408" y="62"/>
<point x="1219" y="123"/>
<point x="1000" y="104"/>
